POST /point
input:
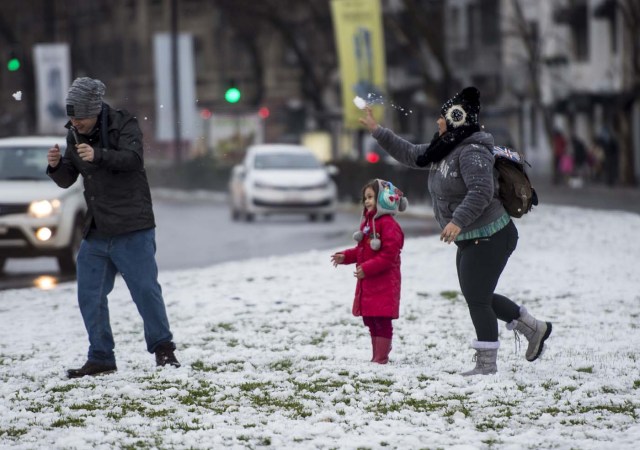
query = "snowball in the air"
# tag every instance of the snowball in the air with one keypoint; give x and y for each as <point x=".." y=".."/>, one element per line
<point x="17" y="95"/>
<point x="360" y="102"/>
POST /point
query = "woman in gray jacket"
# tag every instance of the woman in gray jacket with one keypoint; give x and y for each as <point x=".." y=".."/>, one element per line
<point x="464" y="192"/>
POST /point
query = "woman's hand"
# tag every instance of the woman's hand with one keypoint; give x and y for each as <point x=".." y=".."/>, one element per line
<point x="359" y="273"/>
<point x="368" y="120"/>
<point x="337" y="258"/>
<point x="450" y="233"/>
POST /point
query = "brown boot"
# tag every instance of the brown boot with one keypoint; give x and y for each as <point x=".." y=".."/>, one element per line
<point x="92" y="368"/>
<point x="165" y="356"/>
<point x="382" y="349"/>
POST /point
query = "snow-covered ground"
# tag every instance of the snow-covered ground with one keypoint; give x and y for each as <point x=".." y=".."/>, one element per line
<point x="273" y="358"/>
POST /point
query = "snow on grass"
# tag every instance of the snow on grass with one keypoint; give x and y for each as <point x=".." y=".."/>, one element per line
<point x="273" y="358"/>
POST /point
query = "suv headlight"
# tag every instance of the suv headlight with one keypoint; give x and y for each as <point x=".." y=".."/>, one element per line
<point x="44" y="208"/>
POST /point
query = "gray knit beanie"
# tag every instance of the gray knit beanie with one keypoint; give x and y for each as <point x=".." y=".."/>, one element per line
<point x="84" y="98"/>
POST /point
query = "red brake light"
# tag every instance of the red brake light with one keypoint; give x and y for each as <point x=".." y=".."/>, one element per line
<point x="373" y="157"/>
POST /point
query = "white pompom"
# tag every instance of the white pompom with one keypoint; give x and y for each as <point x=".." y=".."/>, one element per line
<point x="375" y="244"/>
<point x="404" y="203"/>
<point x="358" y="236"/>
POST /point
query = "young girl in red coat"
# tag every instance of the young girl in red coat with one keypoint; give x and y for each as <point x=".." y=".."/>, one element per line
<point x="377" y="259"/>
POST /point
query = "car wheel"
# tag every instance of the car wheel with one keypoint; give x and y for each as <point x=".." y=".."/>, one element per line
<point x="235" y="214"/>
<point x="67" y="260"/>
<point x="249" y="217"/>
<point x="329" y="217"/>
<point x="3" y="261"/>
<point x="313" y="217"/>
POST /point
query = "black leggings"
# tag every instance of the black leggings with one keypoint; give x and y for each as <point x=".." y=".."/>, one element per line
<point x="479" y="263"/>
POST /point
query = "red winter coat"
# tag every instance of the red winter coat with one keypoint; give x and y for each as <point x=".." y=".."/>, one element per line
<point x="378" y="293"/>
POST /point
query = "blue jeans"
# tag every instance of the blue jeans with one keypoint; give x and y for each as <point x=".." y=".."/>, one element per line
<point x="133" y="256"/>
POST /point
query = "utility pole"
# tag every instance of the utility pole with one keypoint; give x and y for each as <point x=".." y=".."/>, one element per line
<point x="175" y="82"/>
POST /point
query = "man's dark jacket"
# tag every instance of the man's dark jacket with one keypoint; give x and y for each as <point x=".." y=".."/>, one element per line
<point x="115" y="183"/>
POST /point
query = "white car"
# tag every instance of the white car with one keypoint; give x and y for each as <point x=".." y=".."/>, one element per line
<point x="282" y="178"/>
<point x="37" y="218"/>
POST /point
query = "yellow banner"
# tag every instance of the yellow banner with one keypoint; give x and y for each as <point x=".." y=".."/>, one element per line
<point x="360" y="42"/>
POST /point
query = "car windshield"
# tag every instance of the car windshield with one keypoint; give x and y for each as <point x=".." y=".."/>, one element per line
<point x="23" y="163"/>
<point x="270" y="161"/>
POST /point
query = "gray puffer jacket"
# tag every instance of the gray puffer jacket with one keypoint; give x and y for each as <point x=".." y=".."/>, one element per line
<point x="463" y="186"/>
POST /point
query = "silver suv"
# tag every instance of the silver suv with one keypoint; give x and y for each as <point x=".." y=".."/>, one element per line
<point x="37" y="218"/>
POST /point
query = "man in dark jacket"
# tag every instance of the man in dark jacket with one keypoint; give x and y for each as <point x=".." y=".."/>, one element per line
<point x="104" y="145"/>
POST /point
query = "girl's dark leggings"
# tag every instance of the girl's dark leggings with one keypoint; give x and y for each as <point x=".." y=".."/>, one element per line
<point x="379" y="326"/>
<point x="479" y="263"/>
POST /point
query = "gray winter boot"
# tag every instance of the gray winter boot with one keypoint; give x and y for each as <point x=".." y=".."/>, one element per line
<point x="536" y="331"/>
<point x="485" y="358"/>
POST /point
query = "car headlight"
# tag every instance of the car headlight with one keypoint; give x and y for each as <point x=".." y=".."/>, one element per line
<point x="44" y="208"/>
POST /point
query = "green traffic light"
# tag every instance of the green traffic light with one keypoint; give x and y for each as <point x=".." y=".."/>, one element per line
<point x="13" y="64"/>
<point x="232" y="95"/>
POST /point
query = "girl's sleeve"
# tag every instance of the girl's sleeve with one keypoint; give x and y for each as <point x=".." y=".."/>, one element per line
<point x="349" y="255"/>
<point x="392" y="240"/>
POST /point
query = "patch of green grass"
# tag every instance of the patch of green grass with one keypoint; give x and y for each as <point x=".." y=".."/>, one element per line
<point x="319" y="339"/>
<point x="66" y="422"/>
<point x="252" y="386"/>
<point x="232" y="365"/>
<point x="426" y="378"/>
<point x="222" y="326"/>
<point x="63" y="388"/>
<point x="317" y="358"/>
<point x="290" y="404"/>
<point x="636" y="384"/>
<point x="382" y="381"/>
<point x="489" y="425"/>
<point x="13" y="432"/>
<point x="282" y="365"/>
<point x="585" y="369"/>
<point x="627" y="408"/>
<point x="491" y="442"/>
<point x="89" y="406"/>
<point x="321" y="385"/>
<point x="449" y="295"/>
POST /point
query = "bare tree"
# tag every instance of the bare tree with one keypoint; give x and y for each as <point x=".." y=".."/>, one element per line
<point x="306" y="30"/>
<point x="630" y="12"/>
<point x="533" y="63"/>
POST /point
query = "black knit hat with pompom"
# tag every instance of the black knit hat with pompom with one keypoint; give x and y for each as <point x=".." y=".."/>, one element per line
<point x="462" y="109"/>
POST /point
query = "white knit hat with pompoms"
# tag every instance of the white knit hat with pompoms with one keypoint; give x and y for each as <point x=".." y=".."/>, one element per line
<point x="390" y="200"/>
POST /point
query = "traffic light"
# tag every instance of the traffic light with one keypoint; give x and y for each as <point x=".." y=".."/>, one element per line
<point x="264" y="112"/>
<point x="232" y="94"/>
<point x="13" y="62"/>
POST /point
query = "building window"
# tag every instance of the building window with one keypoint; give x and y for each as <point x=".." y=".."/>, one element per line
<point x="490" y="23"/>
<point x="580" y="32"/>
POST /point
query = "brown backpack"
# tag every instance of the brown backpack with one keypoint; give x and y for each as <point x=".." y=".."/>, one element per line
<point x="515" y="190"/>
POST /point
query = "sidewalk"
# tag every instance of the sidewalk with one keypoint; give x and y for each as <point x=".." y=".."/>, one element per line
<point x="597" y="196"/>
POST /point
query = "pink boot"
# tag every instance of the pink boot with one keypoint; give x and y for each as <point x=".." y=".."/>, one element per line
<point x="382" y="348"/>
<point x="373" y="348"/>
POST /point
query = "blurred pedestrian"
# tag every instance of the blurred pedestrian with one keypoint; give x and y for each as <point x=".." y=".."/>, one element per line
<point x="377" y="259"/>
<point x="579" y="151"/>
<point x="104" y="145"/>
<point x="559" y="152"/>
<point x="609" y="146"/>
<point x="463" y="187"/>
